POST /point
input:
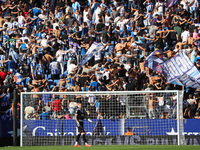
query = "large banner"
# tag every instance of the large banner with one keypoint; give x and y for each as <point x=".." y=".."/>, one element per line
<point x="181" y="71"/>
<point x="138" y="126"/>
<point x="68" y="127"/>
<point x="178" y="70"/>
<point x="145" y="131"/>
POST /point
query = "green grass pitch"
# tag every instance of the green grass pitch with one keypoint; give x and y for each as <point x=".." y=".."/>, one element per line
<point x="107" y="147"/>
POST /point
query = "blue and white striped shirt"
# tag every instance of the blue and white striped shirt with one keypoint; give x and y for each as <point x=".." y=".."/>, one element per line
<point x="15" y="24"/>
<point x="54" y="67"/>
<point x="75" y="6"/>
<point x="2" y="57"/>
<point x="1" y="64"/>
<point x="40" y="69"/>
<point x="149" y="7"/>
<point x="18" y="78"/>
<point x="194" y="5"/>
<point x="14" y="55"/>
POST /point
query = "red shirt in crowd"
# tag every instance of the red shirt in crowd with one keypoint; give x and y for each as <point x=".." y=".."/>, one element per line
<point x="57" y="105"/>
<point x="2" y="76"/>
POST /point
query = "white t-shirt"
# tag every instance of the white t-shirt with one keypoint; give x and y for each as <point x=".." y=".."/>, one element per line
<point x="29" y="110"/>
<point x="89" y="22"/>
<point x="160" y="6"/>
<point x="78" y="17"/>
<point x="161" y="101"/>
<point x="121" y="24"/>
<point x="117" y="19"/>
<point x="122" y="99"/>
<point x="185" y="6"/>
<point x="191" y="101"/>
<point x="97" y="56"/>
<point x="60" y="56"/>
<point x="127" y="67"/>
<point x="8" y="23"/>
<point x="121" y="11"/>
<point x="24" y="38"/>
<point x="41" y="16"/>
<point x="97" y="11"/>
<point x="107" y="75"/>
<point x="44" y="42"/>
<point x="70" y="68"/>
<point x="185" y="36"/>
<point x="72" y="105"/>
<point x="91" y="98"/>
<point x="54" y="25"/>
<point x="21" y="20"/>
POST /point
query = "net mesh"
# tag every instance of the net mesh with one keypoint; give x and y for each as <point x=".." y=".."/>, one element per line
<point x="136" y="118"/>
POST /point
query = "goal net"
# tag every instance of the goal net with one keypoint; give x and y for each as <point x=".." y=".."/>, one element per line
<point x="119" y="118"/>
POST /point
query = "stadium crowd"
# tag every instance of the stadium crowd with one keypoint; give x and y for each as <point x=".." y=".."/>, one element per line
<point x="42" y="44"/>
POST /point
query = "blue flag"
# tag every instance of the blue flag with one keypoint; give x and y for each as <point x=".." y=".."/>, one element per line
<point x="154" y="61"/>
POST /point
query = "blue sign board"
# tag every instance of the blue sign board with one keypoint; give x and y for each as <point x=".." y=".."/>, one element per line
<point x="108" y="127"/>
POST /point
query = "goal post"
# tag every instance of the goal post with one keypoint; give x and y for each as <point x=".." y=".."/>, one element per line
<point x="119" y="117"/>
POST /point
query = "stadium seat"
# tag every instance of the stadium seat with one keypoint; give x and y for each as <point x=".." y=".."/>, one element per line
<point x="26" y="82"/>
<point x="50" y="82"/>
<point x="49" y="76"/>
<point x="57" y="82"/>
<point x="51" y="86"/>
<point x="46" y="77"/>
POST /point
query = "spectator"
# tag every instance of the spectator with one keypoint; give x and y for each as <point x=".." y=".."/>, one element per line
<point x="2" y="75"/>
<point x="187" y="113"/>
<point x="5" y="105"/>
<point x="129" y="133"/>
<point x="95" y="84"/>
<point x="44" y="115"/>
<point x="29" y="111"/>
<point x="55" y="69"/>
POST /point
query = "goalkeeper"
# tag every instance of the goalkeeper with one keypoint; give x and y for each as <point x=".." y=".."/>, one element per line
<point x="80" y="115"/>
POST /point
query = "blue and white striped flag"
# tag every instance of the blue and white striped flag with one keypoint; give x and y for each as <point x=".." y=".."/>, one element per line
<point x="181" y="71"/>
<point x="94" y="48"/>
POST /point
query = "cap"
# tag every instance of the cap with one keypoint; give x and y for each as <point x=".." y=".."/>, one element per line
<point x="8" y="72"/>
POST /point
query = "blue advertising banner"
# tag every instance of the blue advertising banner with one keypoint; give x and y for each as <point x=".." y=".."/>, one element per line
<point x="53" y="127"/>
<point x="151" y="126"/>
<point x="138" y="127"/>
